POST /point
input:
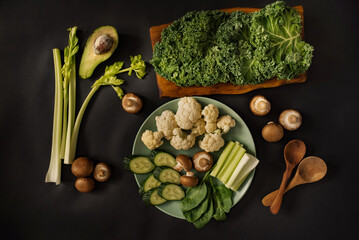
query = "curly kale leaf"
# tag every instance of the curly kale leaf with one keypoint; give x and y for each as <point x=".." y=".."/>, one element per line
<point x="187" y="54"/>
<point x="277" y="29"/>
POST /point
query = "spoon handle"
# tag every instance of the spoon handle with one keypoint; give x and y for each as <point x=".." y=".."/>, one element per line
<point x="274" y="208"/>
<point x="269" y="198"/>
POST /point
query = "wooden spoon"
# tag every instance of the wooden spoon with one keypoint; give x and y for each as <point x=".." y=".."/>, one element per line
<point x="310" y="169"/>
<point x="294" y="152"/>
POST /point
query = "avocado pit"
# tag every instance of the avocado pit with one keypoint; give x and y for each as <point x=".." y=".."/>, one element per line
<point x="103" y="44"/>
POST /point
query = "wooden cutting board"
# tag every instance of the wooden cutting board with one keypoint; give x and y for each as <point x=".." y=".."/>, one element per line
<point x="170" y="89"/>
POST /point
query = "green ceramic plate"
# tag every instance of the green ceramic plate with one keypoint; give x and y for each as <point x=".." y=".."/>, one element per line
<point x="239" y="133"/>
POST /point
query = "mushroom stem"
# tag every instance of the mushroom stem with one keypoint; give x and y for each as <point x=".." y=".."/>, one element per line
<point x="292" y="119"/>
<point x="203" y="162"/>
<point x="178" y="167"/>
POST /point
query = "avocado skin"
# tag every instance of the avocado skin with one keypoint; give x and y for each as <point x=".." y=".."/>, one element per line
<point x="89" y="60"/>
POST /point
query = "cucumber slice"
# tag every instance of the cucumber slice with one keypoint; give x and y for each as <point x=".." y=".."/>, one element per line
<point x="170" y="191"/>
<point x="162" y="158"/>
<point x="150" y="183"/>
<point x="166" y="174"/>
<point x="153" y="198"/>
<point x="138" y="164"/>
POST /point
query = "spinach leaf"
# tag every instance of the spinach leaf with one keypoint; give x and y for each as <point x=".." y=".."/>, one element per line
<point x="219" y="214"/>
<point x="225" y="196"/>
<point x="195" y="213"/>
<point x="206" y="217"/>
<point x="194" y="196"/>
<point x="222" y="197"/>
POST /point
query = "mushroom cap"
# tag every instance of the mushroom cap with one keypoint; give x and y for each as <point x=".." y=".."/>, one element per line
<point x="102" y="172"/>
<point x="202" y="161"/>
<point x="259" y="105"/>
<point x="183" y="162"/>
<point x="84" y="184"/>
<point x="272" y="132"/>
<point x="290" y="119"/>
<point x="189" y="181"/>
<point x="132" y="103"/>
<point x="82" y="167"/>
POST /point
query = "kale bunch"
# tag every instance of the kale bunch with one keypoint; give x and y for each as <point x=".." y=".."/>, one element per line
<point x="203" y="48"/>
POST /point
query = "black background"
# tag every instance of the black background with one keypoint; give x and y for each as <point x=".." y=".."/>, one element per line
<point x="31" y="209"/>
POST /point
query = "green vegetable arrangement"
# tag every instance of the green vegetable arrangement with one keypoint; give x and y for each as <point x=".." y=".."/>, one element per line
<point x="208" y="47"/>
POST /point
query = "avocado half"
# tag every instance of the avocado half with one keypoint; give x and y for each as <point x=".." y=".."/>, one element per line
<point x="90" y="60"/>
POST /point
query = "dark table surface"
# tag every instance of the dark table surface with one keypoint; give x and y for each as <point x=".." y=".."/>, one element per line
<point x="33" y="209"/>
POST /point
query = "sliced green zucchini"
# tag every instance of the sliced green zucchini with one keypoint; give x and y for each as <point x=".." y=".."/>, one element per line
<point x="166" y="174"/>
<point x="162" y="158"/>
<point x="152" y="198"/>
<point x="138" y="164"/>
<point x="170" y="191"/>
<point x="150" y="183"/>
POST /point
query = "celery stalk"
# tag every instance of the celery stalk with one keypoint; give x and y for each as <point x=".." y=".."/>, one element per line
<point x="69" y="74"/>
<point x="245" y="166"/>
<point x="222" y="158"/>
<point x="64" y="123"/>
<point x="232" y="165"/>
<point x="239" y="167"/>
<point x="71" y="112"/>
<point x="54" y="172"/>
<point x="70" y="154"/>
<point x="230" y="158"/>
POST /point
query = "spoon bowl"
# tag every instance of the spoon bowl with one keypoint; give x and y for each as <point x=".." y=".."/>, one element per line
<point x="310" y="169"/>
<point x="294" y="152"/>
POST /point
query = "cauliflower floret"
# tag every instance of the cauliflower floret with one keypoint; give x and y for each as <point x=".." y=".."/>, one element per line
<point x="212" y="141"/>
<point x="188" y="112"/>
<point x="181" y="141"/>
<point x="225" y="123"/>
<point x="210" y="113"/>
<point x="151" y="139"/>
<point x="199" y="127"/>
<point x="166" y="123"/>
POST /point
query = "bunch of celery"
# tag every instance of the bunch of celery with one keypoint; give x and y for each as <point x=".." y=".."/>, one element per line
<point x="234" y="165"/>
<point x="64" y="106"/>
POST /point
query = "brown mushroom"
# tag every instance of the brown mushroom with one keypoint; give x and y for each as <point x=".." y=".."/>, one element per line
<point x="183" y="162"/>
<point x="85" y="184"/>
<point x="290" y="119"/>
<point x="82" y="167"/>
<point x="102" y="172"/>
<point x="202" y="161"/>
<point x="132" y="103"/>
<point x="259" y="105"/>
<point x="272" y="132"/>
<point x="189" y="180"/>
